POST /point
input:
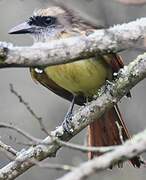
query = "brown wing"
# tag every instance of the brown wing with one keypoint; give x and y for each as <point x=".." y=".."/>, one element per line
<point x="43" y="79"/>
<point x="114" y="61"/>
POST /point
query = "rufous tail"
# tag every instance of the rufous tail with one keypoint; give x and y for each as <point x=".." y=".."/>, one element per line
<point x="106" y="131"/>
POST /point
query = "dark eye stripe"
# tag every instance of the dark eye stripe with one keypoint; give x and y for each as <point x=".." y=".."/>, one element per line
<point x="42" y="21"/>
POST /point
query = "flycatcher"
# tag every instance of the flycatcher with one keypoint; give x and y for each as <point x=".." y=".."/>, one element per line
<point x="77" y="81"/>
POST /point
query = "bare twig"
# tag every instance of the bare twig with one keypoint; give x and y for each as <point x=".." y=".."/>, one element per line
<point x="114" y="39"/>
<point x="85" y="149"/>
<point x="59" y="167"/>
<point x="30" y="110"/>
<point x="22" y="132"/>
<point x="55" y="140"/>
<point x="8" y="149"/>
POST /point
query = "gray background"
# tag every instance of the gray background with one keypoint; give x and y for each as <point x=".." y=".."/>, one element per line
<point x="51" y="107"/>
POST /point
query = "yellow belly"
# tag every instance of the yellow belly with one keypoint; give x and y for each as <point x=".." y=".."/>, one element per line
<point x="81" y="77"/>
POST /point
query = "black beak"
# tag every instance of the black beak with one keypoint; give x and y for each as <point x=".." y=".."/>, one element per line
<point x="23" y="28"/>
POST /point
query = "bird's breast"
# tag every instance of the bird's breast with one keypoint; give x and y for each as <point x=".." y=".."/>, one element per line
<point x="84" y="76"/>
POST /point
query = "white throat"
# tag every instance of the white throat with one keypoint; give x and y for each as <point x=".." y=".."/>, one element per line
<point x="46" y="35"/>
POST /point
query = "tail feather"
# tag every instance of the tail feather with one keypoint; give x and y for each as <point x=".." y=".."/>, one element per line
<point x="106" y="132"/>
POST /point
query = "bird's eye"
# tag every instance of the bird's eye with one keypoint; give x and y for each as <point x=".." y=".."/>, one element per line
<point x="48" y="20"/>
<point x="43" y="21"/>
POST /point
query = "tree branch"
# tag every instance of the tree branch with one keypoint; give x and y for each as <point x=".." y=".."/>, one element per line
<point x="8" y="149"/>
<point x="37" y="141"/>
<point x="131" y="148"/>
<point x="114" y="39"/>
<point x="126" y="79"/>
<point x="54" y="140"/>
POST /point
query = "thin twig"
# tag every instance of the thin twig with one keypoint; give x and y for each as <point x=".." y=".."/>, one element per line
<point x="8" y="148"/>
<point x="85" y="149"/>
<point x="55" y="140"/>
<point x="22" y="132"/>
<point x="30" y="110"/>
<point x="59" y="167"/>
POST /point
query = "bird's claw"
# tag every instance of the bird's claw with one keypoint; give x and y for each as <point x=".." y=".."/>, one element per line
<point x="67" y="125"/>
<point x="109" y="86"/>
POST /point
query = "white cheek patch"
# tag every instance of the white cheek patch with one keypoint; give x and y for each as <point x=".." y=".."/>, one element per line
<point x="46" y="34"/>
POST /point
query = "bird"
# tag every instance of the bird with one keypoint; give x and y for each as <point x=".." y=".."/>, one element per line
<point x="77" y="81"/>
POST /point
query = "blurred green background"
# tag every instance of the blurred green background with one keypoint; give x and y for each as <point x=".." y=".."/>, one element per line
<point x="51" y="107"/>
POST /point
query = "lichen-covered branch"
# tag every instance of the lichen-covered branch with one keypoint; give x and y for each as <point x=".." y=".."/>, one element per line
<point x="103" y="41"/>
<point x="130" y="149"/>
<point x="126" y="79"/>
<point x="8" y="149"/>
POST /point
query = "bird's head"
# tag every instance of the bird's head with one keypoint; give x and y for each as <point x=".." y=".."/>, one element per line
<point x="53" y="23"/>
<point x="44" y="24"/>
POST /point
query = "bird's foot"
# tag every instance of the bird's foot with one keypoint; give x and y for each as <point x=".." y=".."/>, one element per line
<point x="109" y="87"/>
<point x="67" y="125"/>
